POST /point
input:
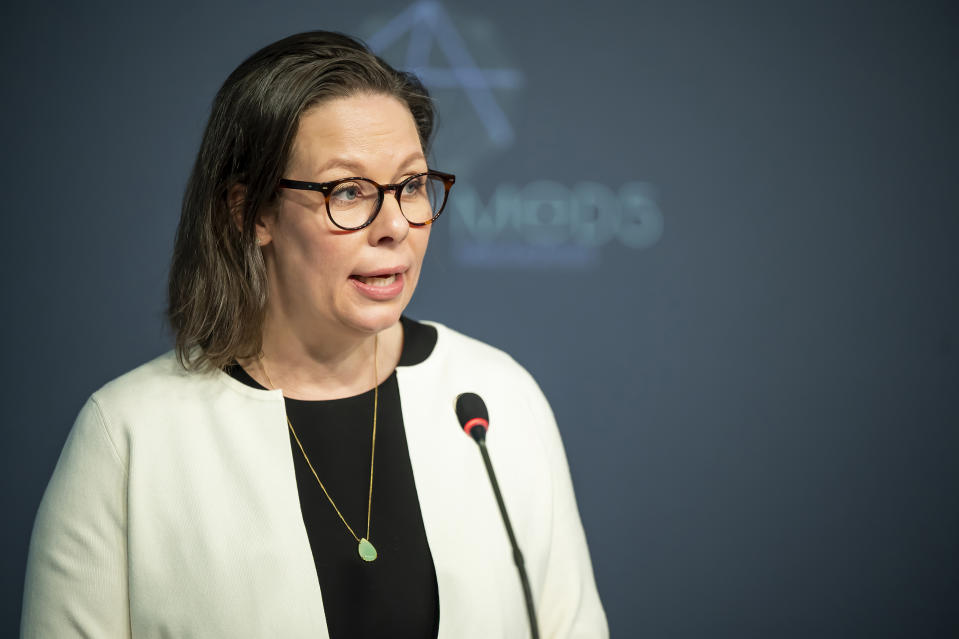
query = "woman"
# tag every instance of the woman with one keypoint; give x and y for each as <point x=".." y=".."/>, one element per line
<point x="295" y="467"/>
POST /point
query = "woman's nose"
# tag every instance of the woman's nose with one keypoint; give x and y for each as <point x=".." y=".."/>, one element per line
<point x="389" y="225"/>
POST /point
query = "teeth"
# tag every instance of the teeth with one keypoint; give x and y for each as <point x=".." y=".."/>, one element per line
<point x="384" y="280"/>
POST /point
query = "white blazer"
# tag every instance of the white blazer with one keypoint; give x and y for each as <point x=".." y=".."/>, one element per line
<point x="173" y="510"/>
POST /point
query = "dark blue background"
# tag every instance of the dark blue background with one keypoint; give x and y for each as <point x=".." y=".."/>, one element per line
<point x="760" y="409"/>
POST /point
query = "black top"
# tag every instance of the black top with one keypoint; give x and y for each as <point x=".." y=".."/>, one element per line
<point x="395" y="595"/>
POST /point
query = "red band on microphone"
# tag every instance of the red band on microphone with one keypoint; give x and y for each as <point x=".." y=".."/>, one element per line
<point x="476" y="421"/>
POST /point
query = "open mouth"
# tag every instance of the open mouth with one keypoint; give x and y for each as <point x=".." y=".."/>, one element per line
<point x="376" y="280"/>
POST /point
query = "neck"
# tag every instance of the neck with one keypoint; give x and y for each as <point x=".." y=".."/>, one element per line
<point x="337" y="366"/>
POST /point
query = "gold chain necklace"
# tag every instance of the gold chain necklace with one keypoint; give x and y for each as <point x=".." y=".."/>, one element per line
<point x="365" y="548"/>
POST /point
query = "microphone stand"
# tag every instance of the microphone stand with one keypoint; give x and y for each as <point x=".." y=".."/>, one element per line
<point x="517" y="555"/>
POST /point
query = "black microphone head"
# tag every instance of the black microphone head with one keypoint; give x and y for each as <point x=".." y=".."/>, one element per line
<point x="472" y="415"/>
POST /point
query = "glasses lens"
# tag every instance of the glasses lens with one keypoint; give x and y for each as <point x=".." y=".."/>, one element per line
<point x="423" y="198"/>
<point x="352" y="203"/>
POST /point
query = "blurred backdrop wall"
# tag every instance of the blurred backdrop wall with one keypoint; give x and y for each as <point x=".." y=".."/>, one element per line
<point x="721" y="235"/>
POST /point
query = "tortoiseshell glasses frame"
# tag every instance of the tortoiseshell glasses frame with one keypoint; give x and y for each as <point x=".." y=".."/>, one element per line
<point x="432" y="180"/>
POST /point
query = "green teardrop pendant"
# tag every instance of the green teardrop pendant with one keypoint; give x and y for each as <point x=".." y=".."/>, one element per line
<point x="366" y="549"/>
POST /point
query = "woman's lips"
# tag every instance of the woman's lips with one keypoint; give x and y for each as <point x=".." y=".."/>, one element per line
<point x="379" y="287"/>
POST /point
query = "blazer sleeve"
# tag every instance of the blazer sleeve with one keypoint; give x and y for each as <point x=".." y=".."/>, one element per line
<point x="76" y="582"/>
<point x="568" y="606"/>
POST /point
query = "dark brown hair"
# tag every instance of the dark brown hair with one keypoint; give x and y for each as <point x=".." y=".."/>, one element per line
<point x="217" y="288"/>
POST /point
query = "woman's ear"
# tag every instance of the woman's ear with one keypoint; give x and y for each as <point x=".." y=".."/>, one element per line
<point x="236" y="201"/>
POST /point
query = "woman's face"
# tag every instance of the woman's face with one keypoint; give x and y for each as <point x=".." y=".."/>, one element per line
<point x="324" y="281"/>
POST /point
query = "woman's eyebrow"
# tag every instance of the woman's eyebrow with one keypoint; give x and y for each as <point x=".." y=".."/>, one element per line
<point x="412" y="158"/>
<point x="341" y="163"/>
<point x="358" y="168"/>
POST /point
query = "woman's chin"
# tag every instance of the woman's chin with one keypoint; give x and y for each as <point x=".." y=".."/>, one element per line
<point x="376" y="320"/>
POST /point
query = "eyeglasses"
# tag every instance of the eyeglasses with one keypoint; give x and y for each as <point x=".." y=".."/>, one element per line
<point x="353" y="203"/>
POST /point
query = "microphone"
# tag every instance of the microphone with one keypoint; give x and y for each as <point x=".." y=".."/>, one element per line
<point x="474" y="418"/>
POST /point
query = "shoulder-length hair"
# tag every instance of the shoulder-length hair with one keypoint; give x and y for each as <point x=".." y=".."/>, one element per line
<point x="217" y="289"/>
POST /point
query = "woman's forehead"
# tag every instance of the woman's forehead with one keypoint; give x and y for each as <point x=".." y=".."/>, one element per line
<point x="359" y="132"/>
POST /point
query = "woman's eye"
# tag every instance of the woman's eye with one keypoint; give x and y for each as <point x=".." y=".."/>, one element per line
<point x="413" y="186"/>
<point x="346" y="192"/>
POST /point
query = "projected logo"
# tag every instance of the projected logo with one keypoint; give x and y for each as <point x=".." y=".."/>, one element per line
<point x="479" y="89"/>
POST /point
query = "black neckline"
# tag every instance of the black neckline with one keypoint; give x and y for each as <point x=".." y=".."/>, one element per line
<point x="418" y="342"/>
